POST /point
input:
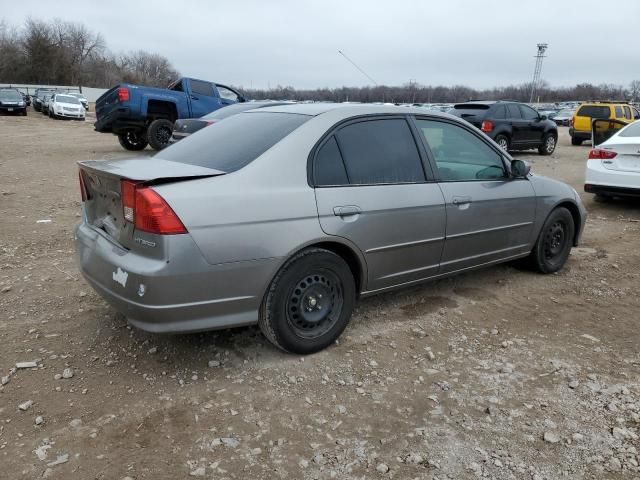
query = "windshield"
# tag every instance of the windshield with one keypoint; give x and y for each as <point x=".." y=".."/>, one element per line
<point x="230" y="145"/>
<point x="10" y="95"/>
<point x="67" y="99"/>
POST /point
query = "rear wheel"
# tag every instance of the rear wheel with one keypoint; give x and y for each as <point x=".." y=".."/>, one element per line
<point x="133" y="141"/>
<point x="553" y="246"/>
<point x="548" y="144"/>
<point x="159" y="133"/>
<point x="503" y="142"/>
<point x="576" y="141"/>
<point x="309" y="302"/>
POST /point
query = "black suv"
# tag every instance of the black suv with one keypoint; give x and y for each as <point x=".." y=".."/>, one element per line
<point x="512" y="125"/>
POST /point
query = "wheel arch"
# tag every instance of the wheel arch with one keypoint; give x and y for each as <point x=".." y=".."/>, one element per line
<point x="349" y="253"/>
<point x="575" y="214"/>
<point x="161" y="109"/>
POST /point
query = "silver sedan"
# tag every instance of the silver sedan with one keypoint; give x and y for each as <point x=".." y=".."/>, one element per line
<point x="285" y="216"/>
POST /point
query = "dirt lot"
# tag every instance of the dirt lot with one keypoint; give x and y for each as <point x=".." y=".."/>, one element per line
<point x="501" y="373"/>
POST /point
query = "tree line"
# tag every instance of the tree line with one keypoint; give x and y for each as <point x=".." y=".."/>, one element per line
<point x="416" y="93"/>
<point x="58" y="52"/>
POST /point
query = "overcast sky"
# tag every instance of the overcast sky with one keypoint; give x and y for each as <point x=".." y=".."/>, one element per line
<point x="254" y="43"/>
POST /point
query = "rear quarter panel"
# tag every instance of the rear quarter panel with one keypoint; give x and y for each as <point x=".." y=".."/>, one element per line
<point x="267" y="209"/>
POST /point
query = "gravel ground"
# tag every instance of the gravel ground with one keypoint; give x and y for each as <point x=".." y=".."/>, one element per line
<point x="501" y="373"/>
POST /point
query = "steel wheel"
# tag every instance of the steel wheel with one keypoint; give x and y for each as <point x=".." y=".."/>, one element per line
<point x="554" y="240"/>
<point x="553" y="246"/>
<point x="315" y="304"/>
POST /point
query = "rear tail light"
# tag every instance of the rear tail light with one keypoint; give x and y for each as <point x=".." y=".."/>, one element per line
<point x="600" y="154"/>
<point x="487" y="126"/>
<point x="84" y="193"/>
<point x="148" y="211"/>
<point x="123" y="94"/>
<point x="210" y="122"/>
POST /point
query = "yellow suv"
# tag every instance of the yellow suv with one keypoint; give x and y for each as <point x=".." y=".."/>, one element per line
<point x="580" y="127"/>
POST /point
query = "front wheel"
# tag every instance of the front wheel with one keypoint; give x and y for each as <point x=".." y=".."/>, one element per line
<point x="548" y="144"/>
<point x="309" y="302"/>
<point x="159" y="133"/>
<point x="503" y="142"/>
<point x="553" y="246"/>
<point x="132" y="141"/>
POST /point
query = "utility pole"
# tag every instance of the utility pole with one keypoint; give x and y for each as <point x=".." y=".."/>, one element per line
<point x="542" y="47"/>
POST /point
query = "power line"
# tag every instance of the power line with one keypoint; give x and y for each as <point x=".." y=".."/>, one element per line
<point x="361" y="70"/>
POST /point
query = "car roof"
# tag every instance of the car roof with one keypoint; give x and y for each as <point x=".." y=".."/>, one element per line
<point x="349" y="109"/>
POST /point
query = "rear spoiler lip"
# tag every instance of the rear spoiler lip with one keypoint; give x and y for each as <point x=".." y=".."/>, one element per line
<point x="147" y="169"/>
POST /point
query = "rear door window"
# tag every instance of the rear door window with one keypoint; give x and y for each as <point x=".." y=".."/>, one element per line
<point x="202" y="88"/>
<point x="235" y="142"/>
<point x="627" y="113"/>
<point x="380" y="152"/>
<point x="619" y="113"/>
<point x="594" y="111"/>
<point x="513" y="111"/>
<point x="328" y="165"/>
<point x="499" y="113"/>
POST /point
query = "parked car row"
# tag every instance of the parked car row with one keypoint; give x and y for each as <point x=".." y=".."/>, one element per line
<point x="63" y="105"/>
<point x="43" y="95"/>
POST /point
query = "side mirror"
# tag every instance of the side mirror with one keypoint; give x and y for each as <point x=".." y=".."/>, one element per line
<point x="543" y="117"/>
<point x="520" y="168"/>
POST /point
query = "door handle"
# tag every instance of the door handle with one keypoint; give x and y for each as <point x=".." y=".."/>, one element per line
<point x="461" y="200"/>
<point x="346" y="211"/>
<point x="193" y="97"/>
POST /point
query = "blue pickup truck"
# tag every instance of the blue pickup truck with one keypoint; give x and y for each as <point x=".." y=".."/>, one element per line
<point x="142" y="116"/>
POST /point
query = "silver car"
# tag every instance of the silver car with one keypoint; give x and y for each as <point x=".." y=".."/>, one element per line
<point x="285" y="215"/>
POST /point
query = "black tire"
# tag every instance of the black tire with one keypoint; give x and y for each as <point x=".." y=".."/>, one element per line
<point x="554" y="243"/>
<point x="133" y="141"/>
<point x="159" y="133"/>
<point x="503" y="142"/>
<point x="309" y="302"/>
<point x="576" y="141"/>
<point x="548" y="146"/>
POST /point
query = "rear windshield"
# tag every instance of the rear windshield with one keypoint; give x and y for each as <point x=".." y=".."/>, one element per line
<point x="230" y="145"/>
<point x="594" y="111"/>
<point x="632" y="130"/>
<point x="466" y="110"/>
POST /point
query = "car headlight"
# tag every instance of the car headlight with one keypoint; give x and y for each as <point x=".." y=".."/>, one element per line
<point x="21" y="104"/>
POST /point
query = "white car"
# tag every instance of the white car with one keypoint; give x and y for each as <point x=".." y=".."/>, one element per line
<point x="82" y="98"/>
<point x="62" y="105"/>
<point x="613" y="168"/>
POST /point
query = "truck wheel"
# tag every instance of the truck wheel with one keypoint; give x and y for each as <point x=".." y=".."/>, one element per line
<point x="159" y="133"/>
<point x="133" y="141"/>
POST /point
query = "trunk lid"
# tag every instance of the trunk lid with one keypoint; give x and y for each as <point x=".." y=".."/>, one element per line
<point x="627" y="158"/>
<point x="103" y="208"/>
